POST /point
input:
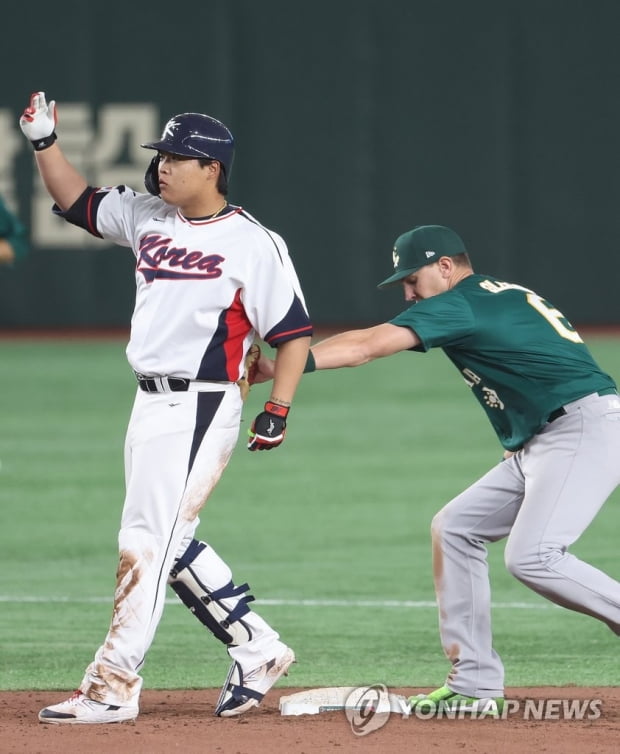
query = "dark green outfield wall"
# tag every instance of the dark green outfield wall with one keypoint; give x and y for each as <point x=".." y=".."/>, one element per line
<point x="354" y="120"/>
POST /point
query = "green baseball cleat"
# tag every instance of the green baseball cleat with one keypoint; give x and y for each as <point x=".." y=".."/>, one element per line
<point x="446" y="700"/>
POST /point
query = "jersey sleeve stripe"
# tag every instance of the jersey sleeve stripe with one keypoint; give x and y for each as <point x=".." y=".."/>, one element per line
<point x="91" y="215"/>
<point x="295" y="324"/>
<point x="289" y="334"/>
<point x="83" y="212"/>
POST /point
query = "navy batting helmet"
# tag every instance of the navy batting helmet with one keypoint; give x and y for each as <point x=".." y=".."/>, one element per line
<point x="191" y="135"/>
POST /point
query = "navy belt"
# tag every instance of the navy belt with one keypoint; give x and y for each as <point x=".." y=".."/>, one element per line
<point x="562" y="411"/>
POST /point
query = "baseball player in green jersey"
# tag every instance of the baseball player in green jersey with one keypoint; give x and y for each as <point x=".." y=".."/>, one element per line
<point x="556" y="414"/>
<point x="13" y="237"/>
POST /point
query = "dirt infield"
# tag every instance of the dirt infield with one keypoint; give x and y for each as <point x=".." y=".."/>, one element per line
<point x="183" y="721"/>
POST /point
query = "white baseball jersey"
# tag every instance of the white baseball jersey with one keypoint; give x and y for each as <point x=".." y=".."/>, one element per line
<point x="203" y="287"/>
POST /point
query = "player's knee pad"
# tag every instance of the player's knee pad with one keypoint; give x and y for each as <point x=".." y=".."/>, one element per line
<point x="220" y="610"/>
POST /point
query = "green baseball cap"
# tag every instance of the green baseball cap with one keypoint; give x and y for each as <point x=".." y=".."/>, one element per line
<point x="421" y="246"/>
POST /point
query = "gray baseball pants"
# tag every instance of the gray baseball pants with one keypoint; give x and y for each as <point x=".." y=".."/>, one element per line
<point x="542" y="499"/>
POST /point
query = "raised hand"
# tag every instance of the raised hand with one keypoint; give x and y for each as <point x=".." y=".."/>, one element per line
<point x="38" y="121"/>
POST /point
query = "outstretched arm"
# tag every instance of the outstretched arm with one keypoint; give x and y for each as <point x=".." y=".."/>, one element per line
<point x="356" y="347"/>
<point x="61" y="179"/>
<point x="351" y="349"/>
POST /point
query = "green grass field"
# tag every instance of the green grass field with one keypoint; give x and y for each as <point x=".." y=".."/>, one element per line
<point x="331" y="530"/>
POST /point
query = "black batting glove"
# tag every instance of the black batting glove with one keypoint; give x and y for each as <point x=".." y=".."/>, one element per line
<point x="269" y="427"/>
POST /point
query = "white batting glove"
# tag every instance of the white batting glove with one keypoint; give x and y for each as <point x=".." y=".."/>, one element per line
<point x="38" y="121"/>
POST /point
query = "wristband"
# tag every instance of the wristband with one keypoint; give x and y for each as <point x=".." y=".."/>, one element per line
<point x="310" y="363"/>
<point x="277" y="409"/>
<point x="41" y="144"/>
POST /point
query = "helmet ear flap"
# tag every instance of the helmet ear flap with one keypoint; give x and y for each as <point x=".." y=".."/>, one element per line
<point x="151" y="177"/>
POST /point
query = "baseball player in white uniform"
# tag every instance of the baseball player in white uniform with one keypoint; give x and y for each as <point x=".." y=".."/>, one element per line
<point x="209" y="278"/>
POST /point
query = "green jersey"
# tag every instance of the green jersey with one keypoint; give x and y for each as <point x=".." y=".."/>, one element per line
<point x="13" y="231"/>
<point x="519" y="355"/>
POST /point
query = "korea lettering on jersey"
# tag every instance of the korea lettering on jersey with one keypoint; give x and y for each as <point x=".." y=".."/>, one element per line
<point x="204" y="288"/>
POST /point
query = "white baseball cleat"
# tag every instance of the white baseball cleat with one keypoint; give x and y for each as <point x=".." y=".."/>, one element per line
<point x="242" y="691"/>
<point x="80" y="709"/>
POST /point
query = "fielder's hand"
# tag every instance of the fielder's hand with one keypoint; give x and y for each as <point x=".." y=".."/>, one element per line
<point x="249" y="371"/>
<point x="269" y="427"/>
<point x="38" y="121"/>
<point x="265" y="369"/>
